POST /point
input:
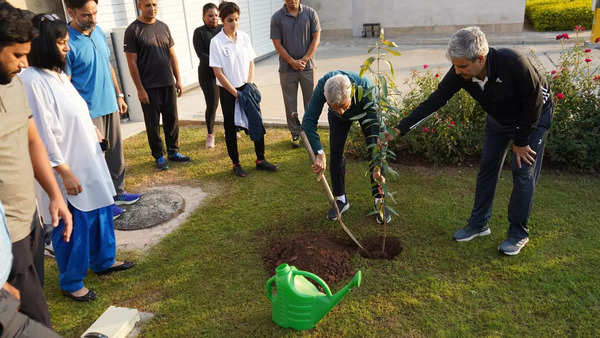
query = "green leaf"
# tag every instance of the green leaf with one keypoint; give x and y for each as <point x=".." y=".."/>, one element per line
<point x="390" y="209"/>
<point x="358" y="117"/>
<point x="381" y="34"/>
<point x="391" y="66"/>
<point x="360" y="93"/>
<point x="389" y="43"/>
<point x="393" y="52"/>
<point x="370" y="50"/>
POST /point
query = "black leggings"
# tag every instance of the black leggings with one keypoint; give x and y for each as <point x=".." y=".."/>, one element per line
<point x="211" y="96"/>
<point x="228" y="107"/>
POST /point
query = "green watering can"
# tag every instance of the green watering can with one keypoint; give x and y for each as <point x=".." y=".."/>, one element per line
<point x="298" y="303"/>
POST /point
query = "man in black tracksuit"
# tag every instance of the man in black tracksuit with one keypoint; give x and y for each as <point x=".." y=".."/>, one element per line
<point x="519" y="106"/>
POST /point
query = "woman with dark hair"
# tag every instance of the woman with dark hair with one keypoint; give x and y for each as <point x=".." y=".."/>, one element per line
<point x="72" y="142"/>
<point x="232" y="59"/>
<point x="206" y="76"/>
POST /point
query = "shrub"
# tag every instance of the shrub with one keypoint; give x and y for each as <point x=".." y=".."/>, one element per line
<point x="554" y="15"/>
<point x="574" y="139"/>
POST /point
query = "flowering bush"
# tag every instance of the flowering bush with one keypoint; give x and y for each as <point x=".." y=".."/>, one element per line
<point x="574" y="139"/>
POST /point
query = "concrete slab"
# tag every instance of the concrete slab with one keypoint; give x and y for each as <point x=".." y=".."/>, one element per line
<point x="145" y="238"/>
<point x="115" y="322"/>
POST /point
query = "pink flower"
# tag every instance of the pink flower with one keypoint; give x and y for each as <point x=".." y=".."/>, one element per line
<point x="597" y="40"/>
<point x="452" y="123"/>
<point x="437" y="75"/>
<point x="588" y="60"/>
<point x="426" y="129"/>
<point x="587" y="50"/>
<point x="560" y="96"/>
<point x="425" y="66"/>
<point x="553" y="72"/>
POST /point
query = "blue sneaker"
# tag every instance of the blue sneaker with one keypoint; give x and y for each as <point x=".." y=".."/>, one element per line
<point x="161" y="163"/>
<point x="512" y="246"/>
<point x="177" y="157"/>
<point x="126" y="198"/>
<point x="332" y="213"/>
<point x="116" y="211"/>
<point x="469" y="232"/>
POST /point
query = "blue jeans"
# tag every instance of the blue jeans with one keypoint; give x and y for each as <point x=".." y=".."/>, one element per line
<point x="495" y="147"/>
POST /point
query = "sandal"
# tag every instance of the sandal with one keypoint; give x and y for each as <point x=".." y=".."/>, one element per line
<point x="123" y="266"/>
<point x="88" y="297"/>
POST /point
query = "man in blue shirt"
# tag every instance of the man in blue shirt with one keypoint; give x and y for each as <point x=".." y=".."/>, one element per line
<point x="88" y="64"/>
<point x="335" y="88"/>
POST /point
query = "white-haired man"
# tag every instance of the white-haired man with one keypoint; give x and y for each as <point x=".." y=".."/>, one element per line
<point x="335" y="88"/>
<point x="519" y="107"/>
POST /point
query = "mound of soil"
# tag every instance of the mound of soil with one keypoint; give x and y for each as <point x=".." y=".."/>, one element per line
<point x="326" y="257"/>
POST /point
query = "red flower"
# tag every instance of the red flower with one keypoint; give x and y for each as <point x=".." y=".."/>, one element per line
<point x="432" y="131"/>
<point x="426" y="129"/>
<point x="597" y="40"/>
<point x="452" y="123"/>
<point x="587" y="50"/>
<point x="562" y="36"/>
<point x="437" y="75"/>
<point x="425" y="66"/>
<point x="597" y="77"/>
<point x="560" y="96"/>
<point x="555" y="76"/>
<point x="588" y="60"/>
<point x="553" y="72"/>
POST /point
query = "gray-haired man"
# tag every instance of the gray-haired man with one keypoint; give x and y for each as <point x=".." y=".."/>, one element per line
<point x="295" y="31"/>
<point x="519" y="106"/>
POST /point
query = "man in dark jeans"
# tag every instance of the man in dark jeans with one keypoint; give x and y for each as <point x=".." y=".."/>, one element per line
<point x="519" y="106"/>
<point x="22" y="157"/>
<point x="152" y="63"/>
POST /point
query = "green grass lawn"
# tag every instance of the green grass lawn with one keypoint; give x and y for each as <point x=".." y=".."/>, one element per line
<point x="207" y="278"/>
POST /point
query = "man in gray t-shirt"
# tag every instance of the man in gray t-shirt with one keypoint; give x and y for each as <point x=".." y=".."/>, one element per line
<point x="296" y="32"/>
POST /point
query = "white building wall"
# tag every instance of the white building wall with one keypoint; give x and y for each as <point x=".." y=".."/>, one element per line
<point x="343" y="15"/>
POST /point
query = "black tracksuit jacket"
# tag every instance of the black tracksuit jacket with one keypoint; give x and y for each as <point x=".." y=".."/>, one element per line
<point x="513" y="95"/>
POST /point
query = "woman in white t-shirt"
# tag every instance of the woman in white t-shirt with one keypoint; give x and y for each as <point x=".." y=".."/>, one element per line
<point x="72" y="142"/>
<point x="232" y="59"/>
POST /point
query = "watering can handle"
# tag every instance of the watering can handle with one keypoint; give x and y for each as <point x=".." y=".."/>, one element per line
<point x="316" y="279"/>
<point x="269" y="284"/>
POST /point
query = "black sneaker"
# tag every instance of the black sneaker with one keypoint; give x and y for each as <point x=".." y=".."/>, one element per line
<point x="469" y="232"/>
<point x="332" y="214"/>
<point x="238" y="171"/>
<point x="264" y="165"/>
<point x="386" y="213"/>
<point x="177" y="157"/>
<point x="161" y="163"/>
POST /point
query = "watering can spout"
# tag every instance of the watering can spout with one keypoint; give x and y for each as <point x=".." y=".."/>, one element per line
<point x="355" y="282"/>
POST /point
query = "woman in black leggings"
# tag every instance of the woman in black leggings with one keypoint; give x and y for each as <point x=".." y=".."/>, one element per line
<point x="231" y="57"/>
<point x="206" y="76"/>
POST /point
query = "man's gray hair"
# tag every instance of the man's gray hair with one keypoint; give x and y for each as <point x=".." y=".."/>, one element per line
<point x="468" y="43"/>
<point x="337" y="90"/>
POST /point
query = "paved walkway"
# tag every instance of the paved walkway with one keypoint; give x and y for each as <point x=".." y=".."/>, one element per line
<point x="349" y="53"/>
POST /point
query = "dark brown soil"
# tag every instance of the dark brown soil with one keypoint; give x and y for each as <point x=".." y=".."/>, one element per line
<point x="374" y="245"/>
<point x="326" y="257"/>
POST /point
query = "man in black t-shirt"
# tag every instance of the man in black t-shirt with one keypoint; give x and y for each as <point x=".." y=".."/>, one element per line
<point x="152" y="63"/>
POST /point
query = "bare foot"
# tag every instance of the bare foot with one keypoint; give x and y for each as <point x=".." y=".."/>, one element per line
<point x="81" y="292"/>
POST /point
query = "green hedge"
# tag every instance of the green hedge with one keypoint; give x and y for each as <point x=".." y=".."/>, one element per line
<point x="555" y="15"/>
